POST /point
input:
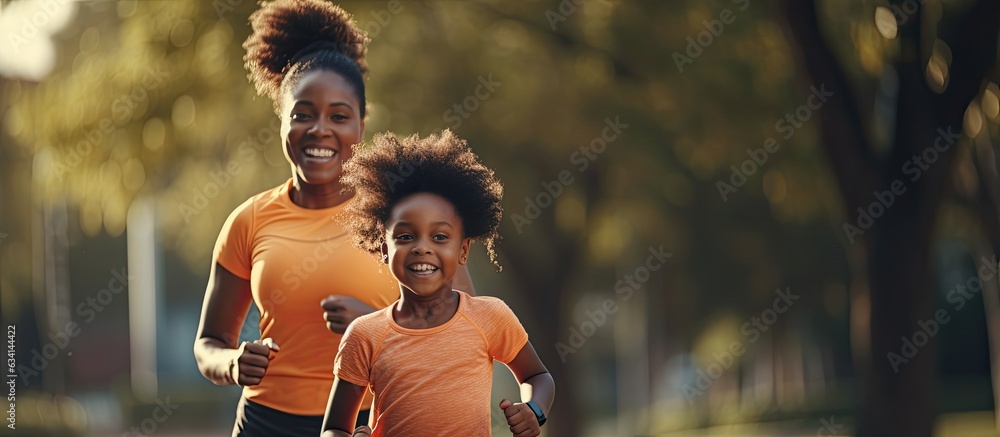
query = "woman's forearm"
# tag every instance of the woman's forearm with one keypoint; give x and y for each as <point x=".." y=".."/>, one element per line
<point x="214" y="358"/>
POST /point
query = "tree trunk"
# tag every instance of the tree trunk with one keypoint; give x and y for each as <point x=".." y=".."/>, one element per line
<point x="545" y="286"/>
<point x="898" y="393"/>
<point x="991" y="306"/>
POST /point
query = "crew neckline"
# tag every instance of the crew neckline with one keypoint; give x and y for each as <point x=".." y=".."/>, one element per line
<point x="462" y="299"/>
<point x="285" y="194"/>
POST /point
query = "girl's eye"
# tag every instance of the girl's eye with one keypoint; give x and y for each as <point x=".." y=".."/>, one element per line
<point x="440" y="237"/>
<point x="404" y="237"/>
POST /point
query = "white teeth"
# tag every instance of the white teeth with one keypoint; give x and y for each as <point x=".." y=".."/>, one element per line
<point x="422" y="267"/>
<point x="320" y="153"/>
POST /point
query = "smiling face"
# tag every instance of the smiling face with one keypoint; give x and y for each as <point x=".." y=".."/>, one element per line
<point x="320" y="121"/>
<point x="425" y="244"/>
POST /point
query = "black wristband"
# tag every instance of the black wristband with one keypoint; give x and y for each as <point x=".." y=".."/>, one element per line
<point x="538" y="412"/>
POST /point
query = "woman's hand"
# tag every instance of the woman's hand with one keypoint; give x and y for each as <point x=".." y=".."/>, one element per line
<point x="341" y="310"/>
<point x="251" y="363"/>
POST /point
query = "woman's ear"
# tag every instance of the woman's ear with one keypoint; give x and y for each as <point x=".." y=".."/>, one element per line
<point x="463" y="253"/>
<point x="385" y="253"/>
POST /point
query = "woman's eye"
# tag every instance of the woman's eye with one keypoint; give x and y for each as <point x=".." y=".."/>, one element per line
<point x="300" y="116"/>
<point x="339" y="117"/>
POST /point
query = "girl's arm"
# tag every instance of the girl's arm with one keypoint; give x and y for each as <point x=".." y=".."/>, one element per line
<point x="536" y="385"/>
<point x="342" y="408"/>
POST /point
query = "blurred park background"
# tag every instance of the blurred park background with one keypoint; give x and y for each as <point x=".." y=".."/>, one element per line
<point x="725" y="217"/>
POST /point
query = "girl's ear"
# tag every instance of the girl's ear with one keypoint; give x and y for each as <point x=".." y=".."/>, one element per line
<point x="385" y="253"/>
<point x="463" y="253"/>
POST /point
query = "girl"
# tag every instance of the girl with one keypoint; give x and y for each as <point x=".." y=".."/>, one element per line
<point x="282" y="249"/>
<point x="428" y="358"/>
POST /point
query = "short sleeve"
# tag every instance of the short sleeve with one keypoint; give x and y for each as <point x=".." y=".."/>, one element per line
<point x="503" y="331"/>
<point x="232" y="249"/>
<point x="353" y="362"/>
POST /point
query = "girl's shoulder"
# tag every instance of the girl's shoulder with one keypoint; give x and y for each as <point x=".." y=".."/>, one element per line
<point x="370" y="325"/>
<point x="486" y="305"/>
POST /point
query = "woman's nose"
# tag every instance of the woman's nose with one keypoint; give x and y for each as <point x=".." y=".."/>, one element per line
<point x="320" y="128"/>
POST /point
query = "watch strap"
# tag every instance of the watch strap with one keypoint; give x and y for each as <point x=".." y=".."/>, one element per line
<point x="538" y="412"/>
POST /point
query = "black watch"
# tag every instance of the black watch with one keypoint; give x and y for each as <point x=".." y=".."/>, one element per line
<point x="538" y="412"/>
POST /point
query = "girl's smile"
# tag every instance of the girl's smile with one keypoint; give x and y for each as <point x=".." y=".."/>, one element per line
<point x="425" y="244"/>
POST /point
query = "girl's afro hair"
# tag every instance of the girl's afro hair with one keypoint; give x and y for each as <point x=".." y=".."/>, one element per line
<point x="442" y="164"/>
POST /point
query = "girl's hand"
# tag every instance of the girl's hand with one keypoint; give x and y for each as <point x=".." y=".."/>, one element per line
<point x="341" y="310"/>
<point x="521" y="419"/>
<point x="250" y="364"/>
<point x="362" y="431"/>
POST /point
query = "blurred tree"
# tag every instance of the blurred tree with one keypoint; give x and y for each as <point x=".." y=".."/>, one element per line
<point x="892" y="197"/>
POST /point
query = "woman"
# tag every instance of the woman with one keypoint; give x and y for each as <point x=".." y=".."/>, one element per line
<point x="286" y="249"/>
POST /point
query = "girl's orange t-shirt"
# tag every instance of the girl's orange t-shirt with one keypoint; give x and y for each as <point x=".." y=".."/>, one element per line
<point x="435" y="381"/>
<point x="294" y="257"/>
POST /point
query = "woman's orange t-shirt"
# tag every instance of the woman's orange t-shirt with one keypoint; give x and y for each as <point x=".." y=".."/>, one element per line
<point x="294" y="257"/>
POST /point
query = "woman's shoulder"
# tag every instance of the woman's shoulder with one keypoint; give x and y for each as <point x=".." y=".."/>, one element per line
<point x="272" y="197"/>
<point x="258" y="204"/>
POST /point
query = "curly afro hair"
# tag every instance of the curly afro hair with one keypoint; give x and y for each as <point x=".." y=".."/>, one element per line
<point x="442" y="164"/>
<point x="293" y="37"/>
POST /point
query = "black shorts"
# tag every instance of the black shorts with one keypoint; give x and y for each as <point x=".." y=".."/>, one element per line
<point x="256" y="420"/>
